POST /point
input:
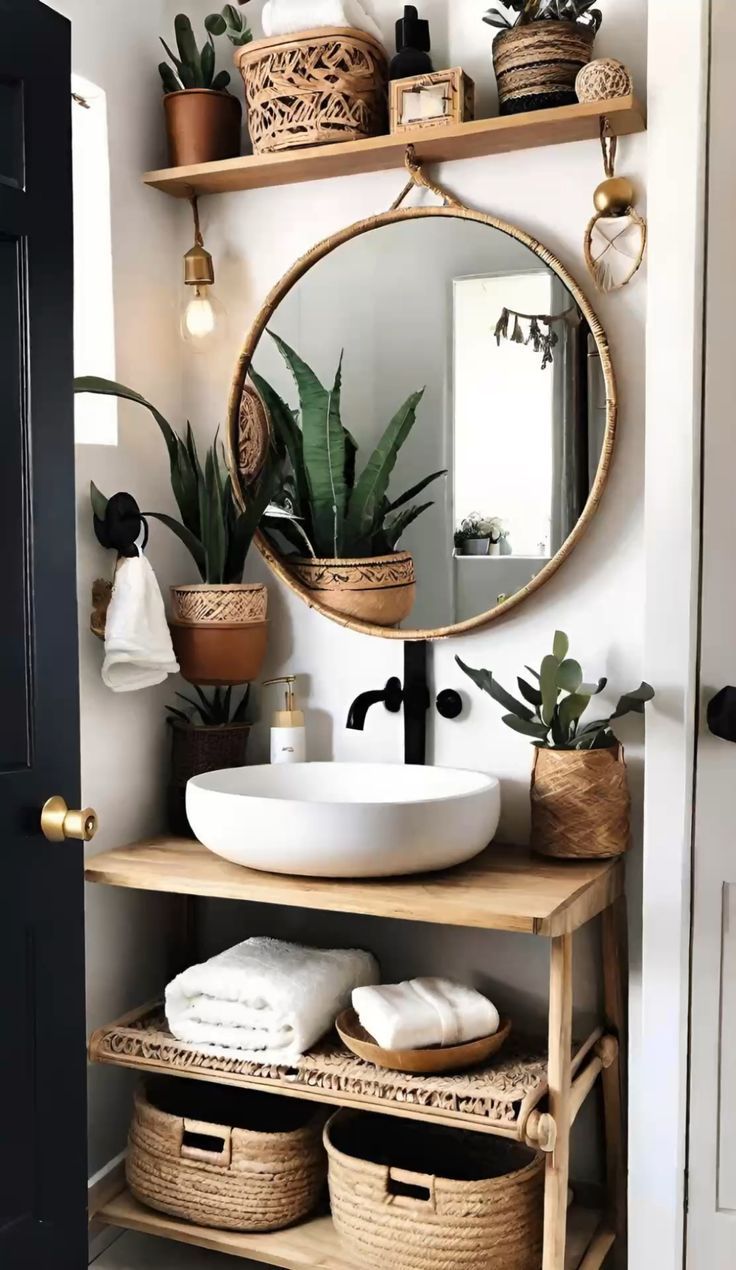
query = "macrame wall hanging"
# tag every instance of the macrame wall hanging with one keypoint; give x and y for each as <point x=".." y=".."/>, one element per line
<point x="535" y="329"/>
<point x="616" y="238"/>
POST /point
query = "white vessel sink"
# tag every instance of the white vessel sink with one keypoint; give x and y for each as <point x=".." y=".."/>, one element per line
<point x="344" y="820"/>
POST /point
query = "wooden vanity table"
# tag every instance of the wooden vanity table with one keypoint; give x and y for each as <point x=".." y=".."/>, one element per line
<point x="523" y="1094"/>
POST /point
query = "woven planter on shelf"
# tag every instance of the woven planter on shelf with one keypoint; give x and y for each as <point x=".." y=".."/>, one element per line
<point x="415" y="1197"/>
<point x="314" y="88"/>
<point x="581" y="806"/>
<point x="537" y="64"/>
<point x="204" y="603"/>
<point x="196" y="750"/>
<point x="224" y="1158"/>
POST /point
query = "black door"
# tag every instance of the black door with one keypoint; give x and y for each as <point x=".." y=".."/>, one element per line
<point x="42" y="1055"/>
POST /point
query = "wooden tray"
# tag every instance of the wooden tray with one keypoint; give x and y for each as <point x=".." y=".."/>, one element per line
<point x="438" y="1058"/>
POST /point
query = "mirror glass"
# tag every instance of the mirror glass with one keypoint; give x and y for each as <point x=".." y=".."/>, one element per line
<point x="513" y="417"/>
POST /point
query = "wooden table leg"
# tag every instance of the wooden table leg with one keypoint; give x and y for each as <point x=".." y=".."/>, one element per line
<point x="560" y="1079"/>
<point x="614" y="951"/>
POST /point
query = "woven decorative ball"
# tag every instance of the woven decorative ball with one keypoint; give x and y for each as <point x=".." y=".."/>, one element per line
<point x="602" y="80"/>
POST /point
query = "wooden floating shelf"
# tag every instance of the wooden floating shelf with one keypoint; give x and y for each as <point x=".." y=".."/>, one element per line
<point x="441" y="145"/>
<point x="314" y="1245"/>
<point x="505" y="888"/>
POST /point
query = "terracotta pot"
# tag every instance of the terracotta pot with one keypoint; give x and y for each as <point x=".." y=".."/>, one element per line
<point x="196" y="750"/>
<point x="202" y="126"/>
<point x="537" y="64"/>
<point x="581" y="806"/>
<point x="380" y="590"/>
<point x="220" y="653"/>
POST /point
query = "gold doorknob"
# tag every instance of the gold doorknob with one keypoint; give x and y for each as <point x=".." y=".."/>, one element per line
<point x="59" y="823"/>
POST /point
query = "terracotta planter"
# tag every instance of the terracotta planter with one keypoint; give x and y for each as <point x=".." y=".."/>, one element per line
<point x="581" y="806"/>
<point x="537" y="64"/>
<point x="380" y="590"/>
<point x="219" y="633"/>
<point x="202" y="126"/>
<point x="196" y="750"/>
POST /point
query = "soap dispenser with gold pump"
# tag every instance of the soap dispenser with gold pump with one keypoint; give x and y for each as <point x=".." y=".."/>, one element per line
<point x="288" y="733"/>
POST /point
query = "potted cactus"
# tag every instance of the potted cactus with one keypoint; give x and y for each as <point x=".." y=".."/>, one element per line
<point x="218" y="627"/>
<point x="202" y="118"/>
<point x="208" y="734"/>
<point x="580" y="796"/>
<point x="541" y="47"/>
<point x="337" y="517"/>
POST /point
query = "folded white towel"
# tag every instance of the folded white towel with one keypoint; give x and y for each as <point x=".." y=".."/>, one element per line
<point x="265" y="1000"/>
<point x="282" y="17"/>
<point x="424" y="1012"/>
<point x="138" y="649"/>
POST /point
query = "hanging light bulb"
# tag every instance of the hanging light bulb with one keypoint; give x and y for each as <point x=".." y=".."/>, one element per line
<point x="203" y="318"/>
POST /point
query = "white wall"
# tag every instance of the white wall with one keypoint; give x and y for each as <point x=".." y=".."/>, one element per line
<point x="598" y="597"/>
<point x="123" y="737"/>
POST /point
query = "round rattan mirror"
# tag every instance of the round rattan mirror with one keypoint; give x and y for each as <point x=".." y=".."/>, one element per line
<point x="442" y="410"/>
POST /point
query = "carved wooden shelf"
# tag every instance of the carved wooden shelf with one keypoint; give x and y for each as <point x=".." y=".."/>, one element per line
<point x="505" y="888"/>
<point x="311" y="1246"/>
<point x="460" y="141"/>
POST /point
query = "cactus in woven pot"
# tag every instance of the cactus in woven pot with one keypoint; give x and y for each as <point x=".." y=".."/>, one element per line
<point x="541" y="47"/>
<point x="580" y="796"/>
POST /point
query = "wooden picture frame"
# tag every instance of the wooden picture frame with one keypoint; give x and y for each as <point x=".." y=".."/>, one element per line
<point x="458" y="97"/>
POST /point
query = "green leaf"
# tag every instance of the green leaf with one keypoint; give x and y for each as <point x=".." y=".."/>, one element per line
<point x="187" y="45"/>
<point x="367" y="499"/>
<point x="215" y="24"/>
<point x="530" y="693"/>
<point x="398" y="525"/>
<point x="415" y="491"/>
<point x="109" y="388"/>
<point x="214" y="523"/>
<point x="571" y="709"/>
<point x="233" y="17"/>
<point x="569" y="676"/>
<point x="168" y="78"/>
<point x="98" y="500"/>
<point x="593" y="690"/>
<point x="484" y="680"/>
<point x="221" y="81"/>
<point x="288" y="438"/>
<point x="534" y="673"/>
<point x="176" y="61"/>
<point x="560" y="645"/>
<point x="207" y="61"/>
<point x="548" y="685"/>
<point x="192" y="544"/>
<point x="634" y="702"/>
<point x="256" y="502"/>
<point x="323" y="443"/>
<point x="527" y="728"/>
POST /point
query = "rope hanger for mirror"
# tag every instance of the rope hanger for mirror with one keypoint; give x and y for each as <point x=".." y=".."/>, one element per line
<point x="420" y="179"/>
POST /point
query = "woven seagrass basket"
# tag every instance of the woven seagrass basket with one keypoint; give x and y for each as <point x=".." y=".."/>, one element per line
<point x="581" y="805"/>
<point x="314" y="88"/>
<point x="224" y="1158"/>
<point x="203" y="603"/>
<point x="417" y="1197"/>
<point x="196" y="750"/>
<point x="537" y="64"/>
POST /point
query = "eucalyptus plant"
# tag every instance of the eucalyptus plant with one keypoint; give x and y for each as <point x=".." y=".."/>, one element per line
<point x="325" y="504"/>
<point x="551" y="714"/>
<point x="215" y="531"/>
<point x="527" y="11"/>
<point x="192" y="67"/>
<point x="216" y="711"/>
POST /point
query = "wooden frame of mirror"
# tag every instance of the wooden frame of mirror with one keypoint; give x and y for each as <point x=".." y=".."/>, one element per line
<point x="278" y="563"/>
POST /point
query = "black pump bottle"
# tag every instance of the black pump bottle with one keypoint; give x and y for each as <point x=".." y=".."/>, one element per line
<point x="412" y="46"/>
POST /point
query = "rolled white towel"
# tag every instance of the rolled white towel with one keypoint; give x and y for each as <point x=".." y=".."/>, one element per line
<point x="424" y="1012"/>
<point x="282" y="17"/>
<point x="265" y="1000"/>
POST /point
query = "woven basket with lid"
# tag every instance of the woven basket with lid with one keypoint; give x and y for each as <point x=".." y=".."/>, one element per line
<point x="225" y="1158"/>
<point x="581" y="805"/>
<point x="314" y="88"/>
<point x="417" y="1197"/>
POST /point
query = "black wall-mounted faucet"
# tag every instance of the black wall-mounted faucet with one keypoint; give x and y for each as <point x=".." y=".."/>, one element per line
<point x="415" y="698"/>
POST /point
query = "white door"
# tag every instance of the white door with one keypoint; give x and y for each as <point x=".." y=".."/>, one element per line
<point x="712" y="1157"/>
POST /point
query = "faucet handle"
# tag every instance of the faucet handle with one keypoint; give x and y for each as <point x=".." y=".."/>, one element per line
<point x="450" y="704"/>
<point x="393" y="695"/>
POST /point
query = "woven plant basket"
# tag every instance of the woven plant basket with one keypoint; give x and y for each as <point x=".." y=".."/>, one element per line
<point x="377" y="589"/>
<point x="196" y="750"/>
<point x="581" y="806"/>
<point x="416" y="1197"/>
<point x="314" y="88"/>
<point x="203" y="604"/>
<point x="224" y="1158"/>
<point x="537" y="64"/>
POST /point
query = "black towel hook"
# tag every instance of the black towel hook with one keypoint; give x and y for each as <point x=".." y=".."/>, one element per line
<point x="121" y="526"/>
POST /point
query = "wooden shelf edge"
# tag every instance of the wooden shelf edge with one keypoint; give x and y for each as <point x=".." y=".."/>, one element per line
<point x="313" y="1245"/>
<point x="500" y="135"/>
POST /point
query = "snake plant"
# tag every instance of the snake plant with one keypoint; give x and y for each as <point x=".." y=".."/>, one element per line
<point x="325" y="503"/>
<point x="527" y="11"/>
<point x="215" y="711"/>
<point x="192" y="67"/>
<point x="553" y="720"/>
<point x="216" y="533"/>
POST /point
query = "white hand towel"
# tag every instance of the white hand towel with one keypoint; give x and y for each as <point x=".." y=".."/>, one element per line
<point x="138" y="649"/>
<point x="282" y="17"/>
<point x="424" y="1012"/>
<point x="265" y="1000"/>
